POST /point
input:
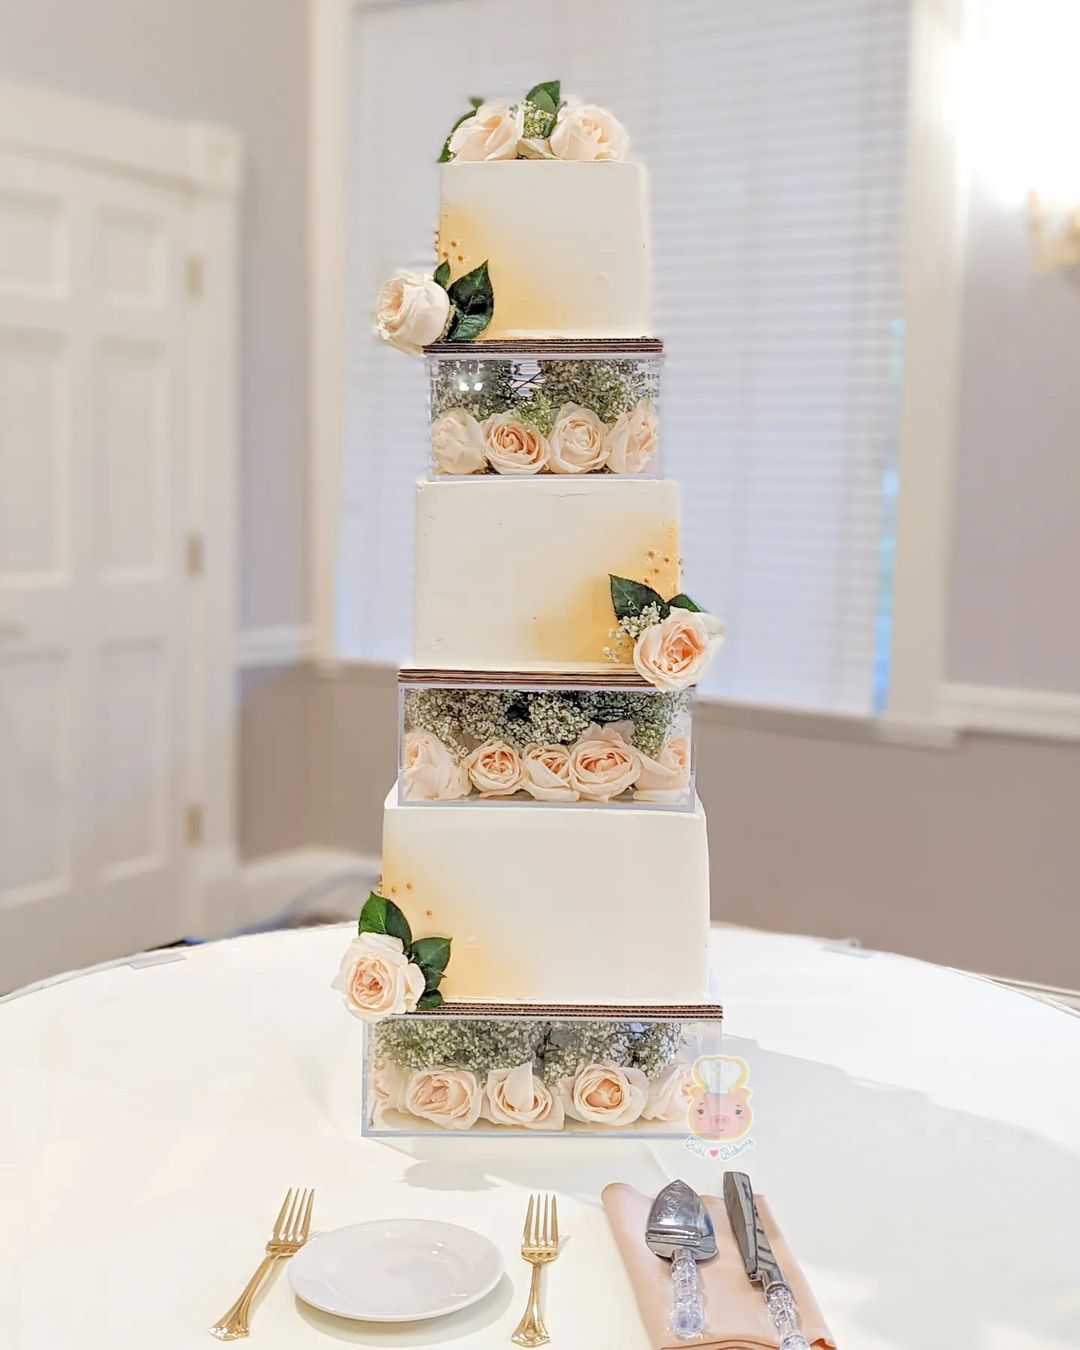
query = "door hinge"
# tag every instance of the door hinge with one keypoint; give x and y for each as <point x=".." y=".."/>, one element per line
<point x="193" y="825"/>
<point x="195" y="555"/>
<point x="194" y="276"/>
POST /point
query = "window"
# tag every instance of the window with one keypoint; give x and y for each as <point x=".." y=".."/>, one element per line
<point x="775" y="139"/>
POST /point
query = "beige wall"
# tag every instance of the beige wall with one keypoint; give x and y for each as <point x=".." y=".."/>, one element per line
<point x="242" y="63"/>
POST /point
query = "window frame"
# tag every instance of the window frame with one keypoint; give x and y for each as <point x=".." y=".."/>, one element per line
<point x="936" y="193"/>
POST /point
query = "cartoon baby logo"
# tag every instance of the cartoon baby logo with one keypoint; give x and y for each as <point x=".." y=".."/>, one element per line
<point x="718" y="1108"/>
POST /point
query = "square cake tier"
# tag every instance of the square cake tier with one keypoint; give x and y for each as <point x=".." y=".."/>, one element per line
<point x="551" y="905"/>
<point x="513" y="574"/>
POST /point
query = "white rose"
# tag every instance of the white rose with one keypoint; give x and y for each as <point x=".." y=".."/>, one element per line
<point x="547" y="773"/>
<point x="496" y="770"/>
<point x="492" y="132"/>
<point x="457" y="443"/>
<point x="512" y="447"/>
<point x="577" y="441"/>
<point x="585" y="131"/>
<point x="388" y="1083"/>
<point x="666" y="1099"/>
<point x="666" y="778"/>
<point x="603" y="764"/>
<point x="411" y="311"/>
<point x="430" y="772"/>
<point x="633" y="439"/>
<point x="674" y="653"/>
<point x="377" y="979"/>
<point x="518" y="1097"/>
<point x="605" y="1094"/>
<point x="447" y="1097"/>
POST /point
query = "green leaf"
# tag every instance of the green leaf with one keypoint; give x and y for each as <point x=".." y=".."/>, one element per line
<point x="545" y="96"/>
<point x="681" y="601"/>
<point x="631" y="598"/>
<point x="442" y="275"/>
<point x="431" y="955"/>
<point x="466" y="328"/>
<point x="380" y="915"/>
<point x="444" y="154"/>
<point x="431" y="999"/>
<point x="473" y="302"/>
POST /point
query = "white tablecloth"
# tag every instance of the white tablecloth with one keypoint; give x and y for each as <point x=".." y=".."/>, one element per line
<point x="917" y="1133"/>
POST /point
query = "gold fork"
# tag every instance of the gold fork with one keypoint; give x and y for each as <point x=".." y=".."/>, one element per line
<point x="539" y="1245"/>
<point x="291" y="1229"/>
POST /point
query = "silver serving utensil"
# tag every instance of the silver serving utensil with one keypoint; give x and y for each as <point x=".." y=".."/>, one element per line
<point x="679" y="1230"/>
<point x="761" y="1266"/>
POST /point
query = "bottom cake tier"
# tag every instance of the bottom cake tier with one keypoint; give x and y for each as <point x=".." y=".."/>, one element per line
<point x="546" y="904"/>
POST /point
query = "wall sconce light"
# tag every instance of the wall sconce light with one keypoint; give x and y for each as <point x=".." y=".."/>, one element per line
<point x="1056" y="244"/>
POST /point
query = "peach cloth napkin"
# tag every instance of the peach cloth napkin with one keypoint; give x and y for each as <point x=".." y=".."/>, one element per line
<point x="735" y="1314"/>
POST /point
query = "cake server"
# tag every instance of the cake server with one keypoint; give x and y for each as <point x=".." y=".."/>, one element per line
<point x="679" y="1230"/>
<point x="761" y="1266"/>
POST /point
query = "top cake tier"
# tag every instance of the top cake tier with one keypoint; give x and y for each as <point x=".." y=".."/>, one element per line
<point x="566" y="245"/>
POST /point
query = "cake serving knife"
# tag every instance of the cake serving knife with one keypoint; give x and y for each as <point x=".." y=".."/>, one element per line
<point x="761" y="1266"/>
<point x="680" y="1230"/>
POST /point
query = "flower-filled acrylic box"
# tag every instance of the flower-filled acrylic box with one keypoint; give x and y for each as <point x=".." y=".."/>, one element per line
<point x="562" y="407"/>
<point x="525" y="1069"/>
<point x="611" y="739"/>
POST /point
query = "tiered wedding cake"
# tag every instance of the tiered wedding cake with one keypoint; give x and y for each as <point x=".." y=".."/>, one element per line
<point x="544" y="845"/>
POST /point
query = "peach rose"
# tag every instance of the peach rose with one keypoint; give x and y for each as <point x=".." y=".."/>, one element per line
<point x="387" y="1083"/>
<point x="492" y="132"/>
<point x="377" y="979"/>
<point x="518" y="1097"/>
<point x="666" y="1099"/>
<point x="666" y="778"/>
<point x="512" y="447"/>
<point x="547" y="773"/>
<point x="585" y="131"/>
<point x="605" y="1094"/>
<point x="431" y="773"/>
<point x="577" y="441"/>
<point x="603" y="764"/>
<point x="496" y="770"/>
<point x="674" y="653"/>
<point x="457" y="443"/>
<point x="633" y="439"/>
<point x="447" y="1097"/>
<point x="411" y="310"/>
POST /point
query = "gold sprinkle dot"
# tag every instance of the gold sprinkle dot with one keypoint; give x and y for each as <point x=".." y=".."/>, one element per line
<point x="666" y="558"/>
<point x="393" y="890"/>
<point x="461" y="257"/>
<point x="428" y="913"/>
<point x="408" y="885"/>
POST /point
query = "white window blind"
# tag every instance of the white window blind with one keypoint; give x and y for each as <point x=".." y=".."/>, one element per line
<point x="775" y="138"/>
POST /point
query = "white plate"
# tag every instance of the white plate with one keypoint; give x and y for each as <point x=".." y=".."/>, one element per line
<point x="395" y="1270"/>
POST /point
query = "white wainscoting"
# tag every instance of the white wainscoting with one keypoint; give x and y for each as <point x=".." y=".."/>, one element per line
<point x="263" y="648"/>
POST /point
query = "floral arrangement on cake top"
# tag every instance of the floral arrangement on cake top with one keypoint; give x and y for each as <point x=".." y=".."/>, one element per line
<point x="550" y="745"/>
<point x="542" y="125"/>
<point x="385" y="971"/>
<point x="674" y="641"/>
<point x="538" y="1075"/>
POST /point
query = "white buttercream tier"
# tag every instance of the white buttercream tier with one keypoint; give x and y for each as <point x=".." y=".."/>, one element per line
<point x="514" y="575"/>
<point x="552" y="905"/>
<point x="566" y="245"/>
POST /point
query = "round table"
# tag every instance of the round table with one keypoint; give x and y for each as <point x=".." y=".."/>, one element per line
<point x="917" y="1133"/>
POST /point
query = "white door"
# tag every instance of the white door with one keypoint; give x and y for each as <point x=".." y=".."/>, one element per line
<point x="94" y="447"/>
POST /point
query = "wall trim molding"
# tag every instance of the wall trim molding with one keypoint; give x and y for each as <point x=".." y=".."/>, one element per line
<point x="1011" y="712"/>
<point x="270" y="883"/>
<point x="265" y="648"/>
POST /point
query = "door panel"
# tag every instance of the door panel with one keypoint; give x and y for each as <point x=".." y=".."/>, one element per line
<point x="94" y="441"/>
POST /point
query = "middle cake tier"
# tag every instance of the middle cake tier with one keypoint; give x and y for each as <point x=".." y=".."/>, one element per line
<point x="555" y="905"/>
<point x="514" y="574"/>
